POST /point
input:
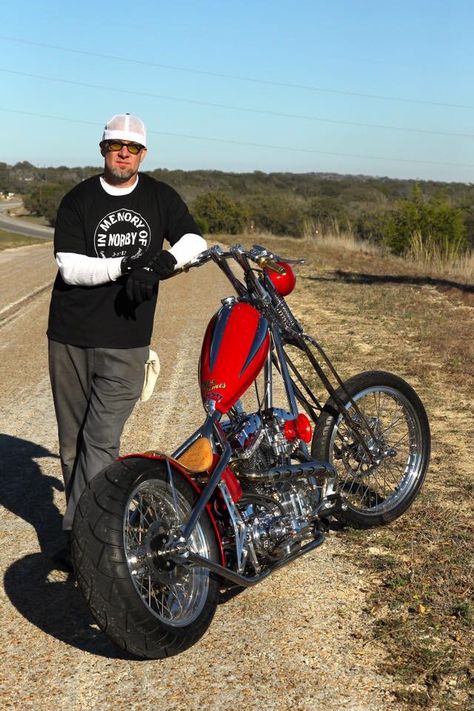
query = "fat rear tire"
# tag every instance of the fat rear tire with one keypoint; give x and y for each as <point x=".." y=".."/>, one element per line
<point x="374" y="496"/>
<point x="113" y="590"/>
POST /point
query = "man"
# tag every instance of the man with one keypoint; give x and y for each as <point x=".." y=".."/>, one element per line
<point x="108" y="244"/>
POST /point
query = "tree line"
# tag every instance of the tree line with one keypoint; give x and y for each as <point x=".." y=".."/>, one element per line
<point x="381" y="210"/>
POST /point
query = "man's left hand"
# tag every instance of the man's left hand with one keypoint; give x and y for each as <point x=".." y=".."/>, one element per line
<point x="163" y="264"/>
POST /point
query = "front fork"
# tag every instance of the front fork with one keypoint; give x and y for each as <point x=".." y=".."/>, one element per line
<point x="209" y="430"/>
<point x="178" y="543"/>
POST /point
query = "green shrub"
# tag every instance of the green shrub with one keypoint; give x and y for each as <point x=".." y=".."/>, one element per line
<point x="216" y="212"/>
<point x="372" y="226"/>
<point x="278" y="215"/>
<point x="45" y="198"/>
<point x="326" y="213"/>
<point x="429" y="222"/>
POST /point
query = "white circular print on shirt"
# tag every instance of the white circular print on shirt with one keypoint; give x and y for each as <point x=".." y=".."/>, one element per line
<point x="122" y="233"/>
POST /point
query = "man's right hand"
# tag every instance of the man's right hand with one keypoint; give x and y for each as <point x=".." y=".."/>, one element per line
<point x="141" y="284"/>
<point x="128" y="264"/>
<point x="145" y="272"/>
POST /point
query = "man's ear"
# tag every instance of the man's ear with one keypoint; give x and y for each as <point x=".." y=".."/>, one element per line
<point x="142" y="155"/>
<point x="102" y="150"/>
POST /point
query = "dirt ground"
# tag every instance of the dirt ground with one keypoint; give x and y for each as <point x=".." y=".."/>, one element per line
<point x="301" y="640"/>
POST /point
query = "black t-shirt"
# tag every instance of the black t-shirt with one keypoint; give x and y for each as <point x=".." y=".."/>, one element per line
<point x="94" y="223"/>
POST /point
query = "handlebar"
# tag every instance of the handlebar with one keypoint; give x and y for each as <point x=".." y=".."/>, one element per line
<point x="261" y="256"/>
<point x="262" y="293"/>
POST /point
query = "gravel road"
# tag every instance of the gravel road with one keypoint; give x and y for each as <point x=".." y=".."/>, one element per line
<point x="300" y="640"/>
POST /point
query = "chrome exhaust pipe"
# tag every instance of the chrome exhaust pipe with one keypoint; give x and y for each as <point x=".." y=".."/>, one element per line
<point x="292" y="471"/>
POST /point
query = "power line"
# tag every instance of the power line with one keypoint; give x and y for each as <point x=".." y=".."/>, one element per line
<point x="265" y="112"/>
<point x="251" y="144"/>
<point x="236" y="77"/>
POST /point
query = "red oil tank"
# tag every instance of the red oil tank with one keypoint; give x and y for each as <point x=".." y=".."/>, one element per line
<point x="233" y="352"/>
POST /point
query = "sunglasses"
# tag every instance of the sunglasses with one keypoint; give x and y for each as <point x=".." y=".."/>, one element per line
<point x="115" y="146"/>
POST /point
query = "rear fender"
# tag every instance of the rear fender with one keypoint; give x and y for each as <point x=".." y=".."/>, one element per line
<point x="180" y="471"/>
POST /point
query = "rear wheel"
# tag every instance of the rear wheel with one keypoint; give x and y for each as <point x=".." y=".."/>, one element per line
<point x="379" y="488"/>
<point x="144" y="602"/>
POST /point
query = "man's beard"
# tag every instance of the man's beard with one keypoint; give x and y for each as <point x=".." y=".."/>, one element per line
<point x="119" y="175"/>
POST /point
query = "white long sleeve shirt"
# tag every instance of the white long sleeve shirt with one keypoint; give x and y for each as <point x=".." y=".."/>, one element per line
<point x="80" y="270"/>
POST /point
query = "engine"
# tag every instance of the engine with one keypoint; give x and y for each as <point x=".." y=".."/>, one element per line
<point x="277" y="513"/>
<point x="260" y="442"/>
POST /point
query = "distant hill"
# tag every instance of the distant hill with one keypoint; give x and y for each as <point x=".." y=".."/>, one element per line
<point x="324" y="201"/>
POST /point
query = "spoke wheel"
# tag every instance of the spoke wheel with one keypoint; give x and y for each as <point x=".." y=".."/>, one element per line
<point x="378" y="481"/>
<point x="174" y="594"/>
<point x="140" y="598"/>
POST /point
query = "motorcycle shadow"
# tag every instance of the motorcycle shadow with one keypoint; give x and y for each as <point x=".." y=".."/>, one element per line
<point x="50" y="600"/>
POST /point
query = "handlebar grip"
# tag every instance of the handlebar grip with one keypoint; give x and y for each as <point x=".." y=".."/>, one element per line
<point x="271" y="264"/>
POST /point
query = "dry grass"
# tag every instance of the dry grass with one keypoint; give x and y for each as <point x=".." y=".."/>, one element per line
<point x="461" y="268"/>
<point x="428" y="256"/>
<point x="346" y="241"/>
<point x="9" y="240"/>
<point x="442" y="258"/>
<point x="376" y="312"/>
<point x="25" y="216"/>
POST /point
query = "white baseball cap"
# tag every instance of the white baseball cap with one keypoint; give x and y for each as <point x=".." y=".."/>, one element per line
<point x="125" y="127"/>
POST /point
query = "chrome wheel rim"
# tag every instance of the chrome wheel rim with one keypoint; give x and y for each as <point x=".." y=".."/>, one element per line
<point x="396" y="447"/>
<point x="172" y="593"/>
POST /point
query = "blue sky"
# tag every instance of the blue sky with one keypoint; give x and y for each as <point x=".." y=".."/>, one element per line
<point x="363" y="86"/>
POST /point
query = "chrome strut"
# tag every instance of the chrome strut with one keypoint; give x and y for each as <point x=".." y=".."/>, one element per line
<point x="196" y="560"/>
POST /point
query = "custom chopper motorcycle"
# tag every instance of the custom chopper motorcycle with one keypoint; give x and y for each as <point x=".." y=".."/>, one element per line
<point x="159" y="540"/>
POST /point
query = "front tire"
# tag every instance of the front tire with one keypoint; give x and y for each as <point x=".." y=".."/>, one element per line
<point x="147" y="605"/>
<point x="375" y="493"/>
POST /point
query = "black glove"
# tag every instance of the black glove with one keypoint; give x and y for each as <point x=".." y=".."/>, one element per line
<point x="163" y="264"/>
<point x="142" y="279"/>
<point x="128" y="264"/>
<point x="141" y="284"/>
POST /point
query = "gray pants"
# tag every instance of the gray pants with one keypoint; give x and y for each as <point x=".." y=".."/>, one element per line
<point x="94" y="392"/>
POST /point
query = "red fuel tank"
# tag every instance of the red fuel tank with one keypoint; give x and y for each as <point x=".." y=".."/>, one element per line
<point x="233" y="352"/>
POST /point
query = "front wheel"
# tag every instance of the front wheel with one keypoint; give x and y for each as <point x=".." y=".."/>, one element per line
<point x="144" y="602"/>
<point x="378" y="481"/>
